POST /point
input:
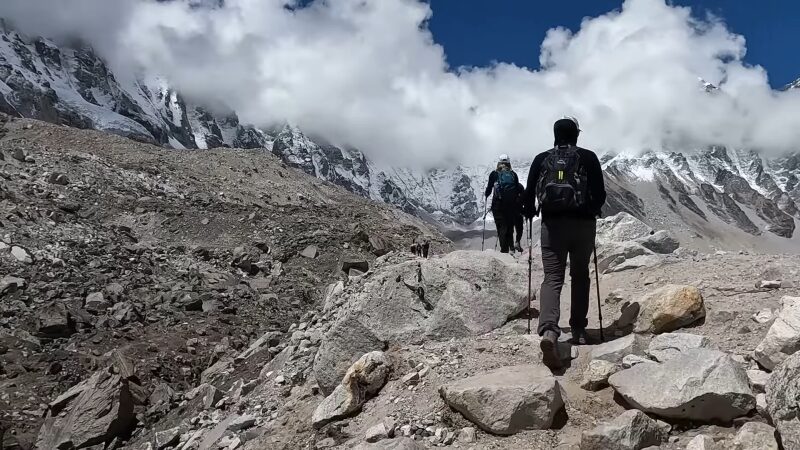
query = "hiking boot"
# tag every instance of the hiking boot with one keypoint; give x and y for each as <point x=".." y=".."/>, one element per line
<point x="579" y="337"/>
<point x="549" y="346"/>
<point x="518" y="246"/>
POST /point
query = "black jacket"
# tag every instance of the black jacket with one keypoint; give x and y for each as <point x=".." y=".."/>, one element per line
<point x="595" y="184"/>
<point x="490" y="187"/>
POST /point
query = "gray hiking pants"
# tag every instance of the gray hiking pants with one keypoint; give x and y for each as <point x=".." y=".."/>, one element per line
<point x="562" y="237"/>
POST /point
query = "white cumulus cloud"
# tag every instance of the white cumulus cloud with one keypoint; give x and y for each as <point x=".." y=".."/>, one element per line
<point x="368" y="73"/>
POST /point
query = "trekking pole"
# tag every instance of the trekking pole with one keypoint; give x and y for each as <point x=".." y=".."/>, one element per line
<point x="530" y="270"/>
<point x="597" y="284"/>
<point x="483" y="233"/>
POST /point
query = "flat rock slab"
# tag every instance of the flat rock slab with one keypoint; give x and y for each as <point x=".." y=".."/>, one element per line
<point x="701" y="384"/>
<point x="507" y="400"/>
<point x="614" y="351"/>
<point x="393" y="444"/>
<point x="670" y="345"/>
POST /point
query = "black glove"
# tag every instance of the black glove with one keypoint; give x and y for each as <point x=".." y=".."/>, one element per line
<point x="529" y="212"/>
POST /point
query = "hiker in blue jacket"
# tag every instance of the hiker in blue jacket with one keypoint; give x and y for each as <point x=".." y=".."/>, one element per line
<point x="503" y="187"/>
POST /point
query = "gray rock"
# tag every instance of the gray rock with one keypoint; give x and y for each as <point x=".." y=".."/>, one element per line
<point x="9" y="284"/>
<point x="631" y="360"/>
<point x="310" y="252"/>
<point x="701" y="384"/>
<point x="95" y="411"/>
<point x="669" y="308"/>
<point x="783" y="337"/>
<point x="756" y="436"/>
<point x="167" y="438"/>
<point x="21" y="255"/>
<point x="402" y="443"/>
<point x="701" y="442"/>
<point x="507" y="400"/>
<point x="768" y="284"/>
<point x="362" y="380"/>
<point x="783" y="400"/>
<point x="632" y="430"/>
<point x="353" y="263"/>
<point x="461" y="294"/>
<point x="467" y="435"/>
<point x="58" y="178"/>
<point x="346" y="341"/>
<point x="669" y="345"/>
<point x="595" y="377"/>
<point x="662" y="242"/>
<point x="614" y="351"/>
<point x="764" y="316"/>
<point x="55" y="321"/>
<point x="621" y="227"/>
<point x="758" y="379"/>
<point x="761" y="406"/>
<point x="376" y="433"/>
<point x="243" y="422"/>
<point x="95" y="302"/>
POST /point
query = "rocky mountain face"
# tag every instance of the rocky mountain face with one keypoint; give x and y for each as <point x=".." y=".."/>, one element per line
<point x="156" y="265"/>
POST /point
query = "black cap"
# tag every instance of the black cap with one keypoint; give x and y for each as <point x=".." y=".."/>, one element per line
<point x="565" y="132"/>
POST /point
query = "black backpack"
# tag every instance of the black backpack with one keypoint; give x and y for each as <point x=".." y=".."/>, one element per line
<point x="562" y="184"/>
<point x="505" y="188"/>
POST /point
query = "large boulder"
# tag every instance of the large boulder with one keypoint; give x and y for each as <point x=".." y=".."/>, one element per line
<point x="507" y="400"/>
<point x="670" y="345"/>
<point x="460" y="294"/>
<point x="783" y="400"/>
<point x="632" y="430"/>
<point x="669" y="308"/>
<point x="783" y="337"/>
<point x="700" y="384"/>
<point x="661" y="242"/>
<point x="93" y="412"/>
<point x="621" y="227"/>
<point x="362" y="381"/>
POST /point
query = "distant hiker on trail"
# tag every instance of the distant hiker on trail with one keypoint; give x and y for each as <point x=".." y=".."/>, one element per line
<point x="567" y="183"/>
<point x="503" y="187"/>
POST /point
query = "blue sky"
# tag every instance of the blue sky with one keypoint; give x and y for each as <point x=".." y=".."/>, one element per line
<point x="477" y="32"/>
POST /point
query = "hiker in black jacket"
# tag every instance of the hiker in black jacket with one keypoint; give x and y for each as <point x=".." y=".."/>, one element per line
<point x="519" y="219"/>
<point x="503" y="187"/>
<point x="566" y="186"/>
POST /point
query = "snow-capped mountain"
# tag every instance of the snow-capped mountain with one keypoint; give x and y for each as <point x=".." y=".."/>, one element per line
<point x="793" y="85"/>
<point x="73" y="86"/>
<point x="724" y="195"/>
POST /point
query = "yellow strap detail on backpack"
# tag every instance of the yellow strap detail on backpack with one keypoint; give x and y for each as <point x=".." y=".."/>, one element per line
<point x="560" y="175"/>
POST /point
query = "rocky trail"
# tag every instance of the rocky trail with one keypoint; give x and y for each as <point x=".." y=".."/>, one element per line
<point x="154" y="299"/>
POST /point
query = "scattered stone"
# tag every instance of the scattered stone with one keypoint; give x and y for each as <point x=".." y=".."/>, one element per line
<point x="614" y="351"/>
<point x="55" y="321"/>
<point x="662" y="242"/>
<point x="326" y="443"/>
<point x="783" y="400"/>
<point x="403" y="443"/>
<point x="378" y="245"/>
<point x="701" y="384"/>
<point x="58" y="178"/>
<point x="507" y="400"/>
<point x="310" y="252"/>
<point x="354" y="264"/>
<point x="631" y="360"/>
<point x="92" y="412"/>
<point x="669" y="345"/>
<point x="95" y="302"/>
<point x="761" y="406"/>
<point x="756" y="436"/>
<point x="758" y="379"/>
<point x="168" y="438"/>
<point x="241" y="423"/>
<point x="783" y="337"/>
<point x="595" y="377"/>
<point x="410" y="379"/>
<point x="9" y="284"/>
<point x="632" y="430"/>
<point x="364" y="379"/>
<point x="701" y="442"/>
<point x="764" y="316"/>
<point x="21" y="255"/>
<point x="768" y="284"/>
<point x="669" y="308"/>
<point x="377" y="433"/>
<point x="467" y="435"/>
